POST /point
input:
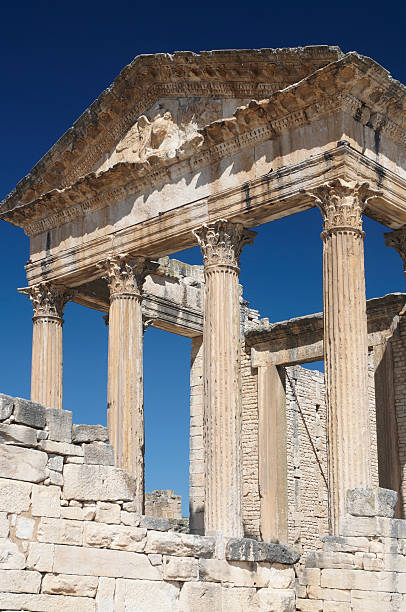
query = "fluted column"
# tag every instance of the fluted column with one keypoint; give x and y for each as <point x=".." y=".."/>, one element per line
<point x="48" y="302"/>
<point x="221" y="244"/>
<point x="345" y="339"/>
<point x="125" y="393"/>
<point x="397" y="240"/>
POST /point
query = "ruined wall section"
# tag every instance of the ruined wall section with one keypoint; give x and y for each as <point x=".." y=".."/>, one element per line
<point x="163" y="503"/>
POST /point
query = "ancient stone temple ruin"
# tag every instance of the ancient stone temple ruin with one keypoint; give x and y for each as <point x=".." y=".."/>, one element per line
<point x="297" y="481"/>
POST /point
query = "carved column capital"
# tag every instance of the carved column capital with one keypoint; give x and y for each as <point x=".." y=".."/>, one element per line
<point x="397" y="240"/>
<point x="342" y="204"/>
<point x="221" y="242"/>
<point x="48" y="300"/>
<point x="126" y="274"/>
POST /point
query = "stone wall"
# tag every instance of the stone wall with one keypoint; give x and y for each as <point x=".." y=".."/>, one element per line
<point x="398" y="343"/>
<point x="163" y="503"/>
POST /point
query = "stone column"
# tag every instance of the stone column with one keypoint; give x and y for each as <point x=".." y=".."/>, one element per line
<point x="397" y="240"/>
<point x="345" y="339"/>
<point x="48" y="302"/>
<point x="221" y="243"/>
<point x="125" y="394"/>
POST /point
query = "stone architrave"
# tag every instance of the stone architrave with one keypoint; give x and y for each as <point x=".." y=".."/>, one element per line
<point x="221" y="243"/>
<point x="48" y="301"/>
<point x="125" y="395"/>
<point x="345" y="338"/>
<point x="397" y="240"/>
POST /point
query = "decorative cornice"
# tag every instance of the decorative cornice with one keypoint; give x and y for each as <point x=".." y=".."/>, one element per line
<point x="221" y="242"/>
<point x="397" y="240"/>
<point x="126" y="274"/>
<point x="48" y="300"/>
<point x="342" y="203"/>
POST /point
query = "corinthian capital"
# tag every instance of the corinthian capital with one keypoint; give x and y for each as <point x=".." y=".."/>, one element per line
<point x="342" y="203"/>
<point x="397" y="240"/>
<point x="221" y="242"/>
<point x="126" y="274"/>
<point x="48" y="300"/>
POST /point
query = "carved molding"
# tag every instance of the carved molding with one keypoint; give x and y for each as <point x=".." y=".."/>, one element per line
<point x="126" y="274"/>
<point x="48" y="300"/>
<point x="397" y="240"/>
<point x="221" y="242"/>
<point x="342" y="203"/>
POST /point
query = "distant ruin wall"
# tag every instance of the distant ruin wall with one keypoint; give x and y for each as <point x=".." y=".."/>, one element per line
<point x="163" y="503"/>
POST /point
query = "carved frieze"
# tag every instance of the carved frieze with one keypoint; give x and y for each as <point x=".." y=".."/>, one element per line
<point x="126" y="274"/>
<point x="221" y="242"/>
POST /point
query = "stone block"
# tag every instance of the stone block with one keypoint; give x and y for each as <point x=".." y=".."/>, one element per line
<point x="309" y="605"/>
<point x="10" y="556"/>
<point x="339" y="560"/>
<point x="181" y="569"/>
<point x="371" y="501"/>
<point x="89" y="433"/>
<point x="14" y="496"/>
<point x="25" y="528"/>
<point x="65" y="584"/>
<point x="357" y="579"/>
<point x="22" y="463"/>
<point x="145" y="596"/>
<point x="98" y="453"/>
<point x="54" y="478"/>
<point x="245" y="549"/>
<point x="55" y="462"/>
<point x="337" y="606"/>
<point x="130" y="518"/>
<point x="46" y="501"/>
<point x="19" y="581"/>
<point x="29" y="413"/>
<point x="200" y="596"/>
<point x="105" y="595"/>
<point x="4" y="525"/>
<point x="367" y="526"/>
<point x="59" y="424"/>
<point x="108" y="513"/>
<point x="117" y="537"/>
<point x="348" y="544"/>
<point x="104" y="562"/>
<point x="60" y="531"/>
<point x="310" y="576"/>
<point x="41" y="557"/>
<point x="45" y="603"/>
<point x="238" y="599"/>
<point x="179" y="544"/>
<point x="315" y="592"/>
<point x="18" y="434"/>
<point x="279" y="600"/>
<point x="73" y="513"/>
<point x="61" y="448"/>
<point x="6" y="406"/>
<point x="97" y="483"/>
<point x="155" y="522"/>
<point x="237" y="573"/>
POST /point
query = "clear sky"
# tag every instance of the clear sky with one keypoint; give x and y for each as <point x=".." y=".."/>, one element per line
<point x="56" y="59"/>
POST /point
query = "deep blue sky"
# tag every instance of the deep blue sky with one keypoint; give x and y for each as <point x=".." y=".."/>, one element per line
<point x="56" y="59"/>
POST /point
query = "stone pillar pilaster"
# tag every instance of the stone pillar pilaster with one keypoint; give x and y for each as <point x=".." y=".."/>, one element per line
<point x="125" y="393"/>
<point x="397" y="240"/>
<point x="345" y="339"/>
<point x="221" y="243"/>
<point x="48" y="302"/>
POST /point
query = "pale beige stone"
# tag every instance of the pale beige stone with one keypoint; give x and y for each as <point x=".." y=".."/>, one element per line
<point x="60" y="531"/>
<point x="4" y="525"/>
<point x="357" y="579"/>
<point x="19" y="581"/>
<point x="108" y="513"/>
<point x="24" y="528"/>
<point x="45" y="603"/>
<point x="22" y="463"/>
<point x="73" y="513"/>
<point x="94" y="482"/>
<point x="115" y="536"/>
<point x="41" y="557"/>
<point x="63" y="584"/>
<point x="10" y="556"/>
<point x="282" y="600"/>
<point x="180" y="569"/>
<point x="201" y="596"/>
<point x="46" y="501"/>
<point x="181" y="545"/>
<point x="309" y="605"/>
<point x="145" y="596"/>
<point x="62" y="448"/>
<point x="238" y="574"/>
<point x="105" y="595"/>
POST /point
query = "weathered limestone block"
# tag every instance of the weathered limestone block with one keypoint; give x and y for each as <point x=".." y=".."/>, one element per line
<point x="4" y="525"/>
<point x="315" y="592"/>
<point x="309" y="605"/>
<point x="103" y="562"/>
<point x="180" y="545"/>
<point x="98" y="453"/>
<point x="105" y="595"/>
<point x="14" y="496"/>
<point x="29" y="413"/>
<point x="46" y="501"/>
<point x="59" y="424"/>
<point x="45" y="603"/>
<point x="18" y="434"/>
<point x="145" y="596"/>
<point x="89" y="433"/>
<point x="60" y="531"/>
<point x="201" y="596"/>
<point x="155" y="523"/>
<point x="55" y="462"/>
<point x="118" y="537"/>
<point x="181" y="569"/>
<point x="24" y="528"/>
<point x="22" y="464"/>
<point x="108" y="513"/>
<point x="371" y="501"/>
<point x="10" y="556"/>
<point x="97" y="483"/>
<point x="351" y="526"/>
<point x="6" y="406"/>
<point x="64" y="584"/>
<point x="130" y="518"/>
<point x="54" y="478"/>
<point x="19" y="581"/>
<point x="341" y="544"/>
<point x="275" y="600"/>
<point x="62" y="448"/>
<point x="41" y="557"/>
<point x="72" y="512"/>
<point x="245" y="549"/>
<point x="358" y="579"/>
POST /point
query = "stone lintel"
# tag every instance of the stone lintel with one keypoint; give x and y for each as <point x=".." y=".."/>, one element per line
<point x="246" y="549"/>
<point x="371" y="501"/>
